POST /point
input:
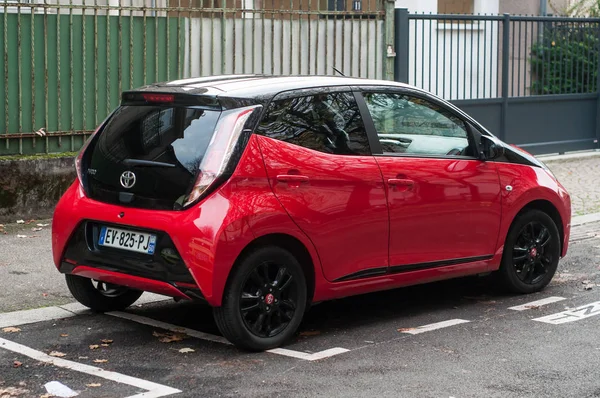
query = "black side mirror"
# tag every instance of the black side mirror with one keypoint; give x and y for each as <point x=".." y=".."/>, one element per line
<point x="488" y="149"/>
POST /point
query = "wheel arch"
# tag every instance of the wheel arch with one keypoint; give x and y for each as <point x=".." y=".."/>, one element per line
<point x="547" y="207"/>
<point x="292" y="245"/>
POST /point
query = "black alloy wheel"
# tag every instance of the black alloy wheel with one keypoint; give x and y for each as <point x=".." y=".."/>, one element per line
<point x="264" y="300"/>
<point x="268" y="299"/>
<point x="531" y="253"/>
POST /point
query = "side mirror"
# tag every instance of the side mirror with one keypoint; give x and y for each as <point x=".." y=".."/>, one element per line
<point x="488" y="149"/>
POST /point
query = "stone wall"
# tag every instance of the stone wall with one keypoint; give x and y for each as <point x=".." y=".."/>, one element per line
<point x="30" y="188"/>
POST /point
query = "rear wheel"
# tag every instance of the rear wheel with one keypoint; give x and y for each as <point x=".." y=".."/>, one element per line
<point x="101" y="296"/>
<point x="264" y="300"/>
<point x="531" y="253"/>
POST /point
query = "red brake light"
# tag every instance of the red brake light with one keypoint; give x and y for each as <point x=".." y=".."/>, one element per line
<point x="158" y="97"/>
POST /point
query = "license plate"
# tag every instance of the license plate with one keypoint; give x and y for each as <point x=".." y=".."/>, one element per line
<point x="127" y="240"/>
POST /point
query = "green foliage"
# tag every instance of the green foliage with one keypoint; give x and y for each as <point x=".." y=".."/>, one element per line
<point x="565" y="60"/>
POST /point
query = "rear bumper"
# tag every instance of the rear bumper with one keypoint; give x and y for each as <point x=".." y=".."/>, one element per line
<point x="133" y="282"/>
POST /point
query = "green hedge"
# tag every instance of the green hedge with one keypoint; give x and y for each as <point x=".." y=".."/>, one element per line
<point x="565" y="60"/>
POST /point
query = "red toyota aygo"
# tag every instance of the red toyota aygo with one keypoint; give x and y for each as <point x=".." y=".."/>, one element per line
<point x="261" y="195"/>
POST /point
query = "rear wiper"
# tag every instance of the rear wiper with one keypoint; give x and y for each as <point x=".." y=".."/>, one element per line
<point x="147" y="163"/>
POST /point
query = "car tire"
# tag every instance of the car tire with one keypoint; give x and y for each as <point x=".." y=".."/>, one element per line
<point x="531" y="253"/>
<point x="264" y="300"/>
<point x="101" y="299"/>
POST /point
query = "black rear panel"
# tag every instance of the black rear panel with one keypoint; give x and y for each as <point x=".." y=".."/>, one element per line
<point x="161" y="146"/>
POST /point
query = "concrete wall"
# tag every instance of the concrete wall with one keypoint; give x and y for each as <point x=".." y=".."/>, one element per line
<point x="30" y="188"/>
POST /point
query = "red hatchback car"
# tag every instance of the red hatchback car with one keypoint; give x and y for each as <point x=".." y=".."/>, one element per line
<point x="261" y="195"/>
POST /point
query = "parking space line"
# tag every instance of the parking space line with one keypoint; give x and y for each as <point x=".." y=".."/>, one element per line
<point x="538" y="303"/>
<point x="576" y="314"/>
<point x="168" y="326"/>
<point x="222" y="340"/>
<point x="154" y="390"/>
<point x="434" y="326"/>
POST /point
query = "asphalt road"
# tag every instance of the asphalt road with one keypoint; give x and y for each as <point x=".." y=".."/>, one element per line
<point x="369" y="345"/>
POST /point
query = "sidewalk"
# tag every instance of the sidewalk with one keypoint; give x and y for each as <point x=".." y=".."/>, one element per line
<point x="581" y="177"/>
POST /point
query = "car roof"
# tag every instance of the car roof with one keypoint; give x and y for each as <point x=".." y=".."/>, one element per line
<point x="259" y="86"/>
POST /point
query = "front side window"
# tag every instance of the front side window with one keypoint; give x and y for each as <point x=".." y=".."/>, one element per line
<point x="329" y="123"/>
<point x="411" y="125"/>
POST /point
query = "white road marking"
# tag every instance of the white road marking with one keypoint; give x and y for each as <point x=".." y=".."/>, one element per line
<point x="576" y="314"/>
<point x="222" y="340"/>
<point x="535" y="304"/>
<point x="153" y="389"/>
<point x="309" y="357"/>
<point x="435" y="326"/>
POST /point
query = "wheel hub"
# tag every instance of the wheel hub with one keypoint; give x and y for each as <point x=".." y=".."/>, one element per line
<point x="533" y="252"/>
<point x="269" y="299"/>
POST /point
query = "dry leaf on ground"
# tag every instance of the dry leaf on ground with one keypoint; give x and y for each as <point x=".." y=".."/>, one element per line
<point x="104" y="345"/>
<point x="100" y="360"/>
<point x="21" y="236"/>
<point x="10" y="392"/>
<point x="20" y="221"/>
<point x="169" y="337"/>
<point x="94" y="385"/>
<point x="106" y="341"/>
<point x="57" y="354"/>
<point x="36" y="229"/>
<point x="94" y="346"/>
<point x="11" y="330"/>
<point x="46" y="396"/>
<point x="17" y="364"/>
<point x="308" y="333"/>
<point x="186" y="350"/>
<point x="405" y="329"/>
<point x="42" y="225"/>
<point x="64" y="335"/>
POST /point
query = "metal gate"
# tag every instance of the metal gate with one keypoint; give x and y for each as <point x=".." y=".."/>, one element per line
<point x="66" y="62"/>
<point x="532" y="81"/>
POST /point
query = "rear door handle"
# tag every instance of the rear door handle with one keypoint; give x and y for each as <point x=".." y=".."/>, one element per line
<point x="292" y="178"/>
<point x="401" y="182"/>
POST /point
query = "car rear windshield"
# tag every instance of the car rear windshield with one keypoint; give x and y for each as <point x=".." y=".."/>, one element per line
<point x="162" y="146"/>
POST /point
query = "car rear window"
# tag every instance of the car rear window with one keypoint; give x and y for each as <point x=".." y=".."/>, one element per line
<point x="170" y="142"/>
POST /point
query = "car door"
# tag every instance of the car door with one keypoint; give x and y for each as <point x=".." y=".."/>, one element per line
<point x="319" y="164"/>
<point x="444" y="202"/>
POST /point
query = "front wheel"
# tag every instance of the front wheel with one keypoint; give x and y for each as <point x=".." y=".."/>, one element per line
<point x="531" y="253"/>
<point x="264" y="300"/>
<point x="101" y="296"/>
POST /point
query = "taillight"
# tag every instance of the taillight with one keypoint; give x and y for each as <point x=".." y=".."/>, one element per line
<point x="220" y="150"/>
<point x="79" y="157"/>
<point x="158" y="97"/>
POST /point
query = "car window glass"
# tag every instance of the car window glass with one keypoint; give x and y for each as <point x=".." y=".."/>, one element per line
<point x="329" y="123"/>
<point x="411" y="125"/>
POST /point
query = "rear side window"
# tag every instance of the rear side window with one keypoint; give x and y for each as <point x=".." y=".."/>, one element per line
<point x="329" y="123"/>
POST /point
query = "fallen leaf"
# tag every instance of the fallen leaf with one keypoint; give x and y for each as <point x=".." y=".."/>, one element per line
<point x="17" y="364"/>
<point x="186" y="350"/>
<point x="83" y="357"/>
<point x="46" y="396"/>
<point x="29" y="221"/>
<point x="105" y="345"/>
<point x="10" y="392"/>
<point x="106" y="341"/>
<point x="100" y="360"/>
<point x="532" y="307"/>
<point x="45" y="294"/>
<point x="586" y="282"/>
<point x="57" y="354"/>
<point x="402" y="330"/>
<point x="42" y="225"/>
<point x="94" y="346"/>
<point x="94" y="385"/>
<point x="308" y="333"/>
<point x="20" y="222"/>
<point x="64" y="335"/>
<point x="11" y="330"/>
<point x="589" y="286"/>
<point x="36" y="229"/>
<point x="169" y="337"/>
<point x="21" y="236"/>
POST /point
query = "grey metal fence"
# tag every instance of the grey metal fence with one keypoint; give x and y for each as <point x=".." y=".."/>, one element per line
<point x="533" y="81"/>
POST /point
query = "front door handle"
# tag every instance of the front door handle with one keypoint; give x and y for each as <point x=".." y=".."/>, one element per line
<point x="401" y="183"/>
<point x="292" y="178"/>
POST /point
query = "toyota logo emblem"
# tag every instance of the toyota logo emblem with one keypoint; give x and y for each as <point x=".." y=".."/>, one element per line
<point x="128" y="179"/>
